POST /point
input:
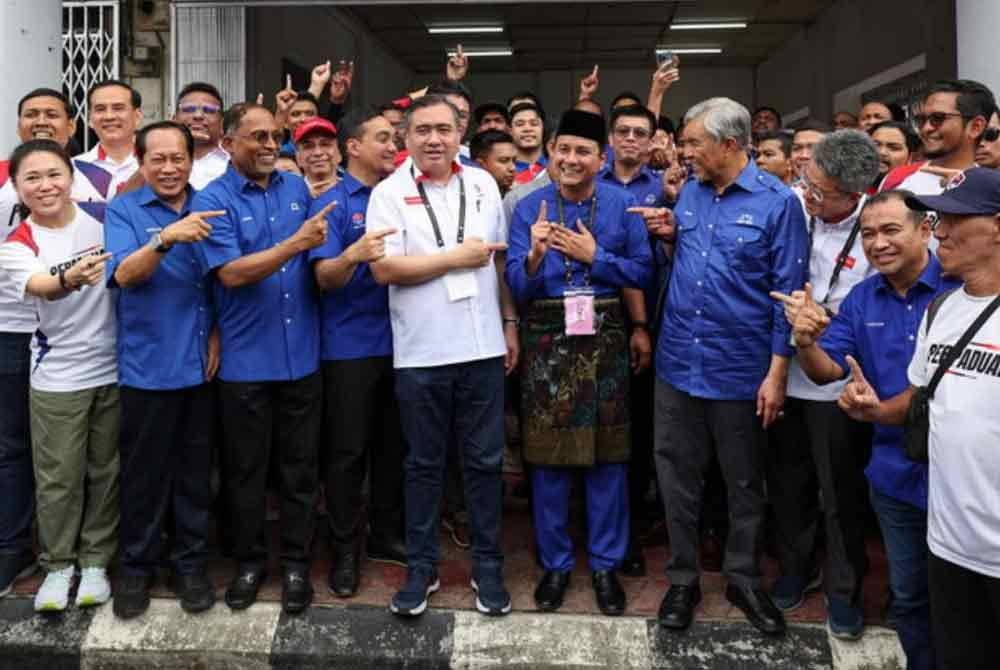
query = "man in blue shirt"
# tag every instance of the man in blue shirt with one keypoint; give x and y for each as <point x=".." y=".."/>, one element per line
<point x="877" y="326"/>
<point x="268" y="317"/>
<point x="570" y="244"/>
<point x="722" y="355"/>
<point x="361" y="414"/>
<point x="165" y="359"/>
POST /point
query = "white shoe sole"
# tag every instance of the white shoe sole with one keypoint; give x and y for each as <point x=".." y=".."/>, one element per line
<point x="417" y="611"/>
<point x="25" y="573"/>
<point x="483" y="609"/>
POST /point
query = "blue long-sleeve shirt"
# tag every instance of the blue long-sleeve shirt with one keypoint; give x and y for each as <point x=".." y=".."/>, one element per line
<point x="622" y="260"/>
<point x="720" y="327"/>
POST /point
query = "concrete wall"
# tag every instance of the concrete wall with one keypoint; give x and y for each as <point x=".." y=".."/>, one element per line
<point x="855" y="40"/>
<point x="977" y="23"/>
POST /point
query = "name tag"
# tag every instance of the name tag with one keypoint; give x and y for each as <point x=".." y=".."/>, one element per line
<point x="579" y="309"/>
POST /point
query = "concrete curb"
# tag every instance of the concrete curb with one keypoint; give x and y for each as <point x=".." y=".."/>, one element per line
<point x="357" y="637"/>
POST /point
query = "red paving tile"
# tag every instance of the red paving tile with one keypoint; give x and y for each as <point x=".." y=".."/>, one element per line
<point x="379" y="581"/>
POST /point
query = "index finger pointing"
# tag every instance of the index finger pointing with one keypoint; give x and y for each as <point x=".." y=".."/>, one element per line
<point x="288" y="82"/>
<point x="496" y="246"/>
<point x="379" y="234"/>
<point x="542" y="213"/>
<point x="787" y="299"/>
<point x="211" y="214"/>
<point x="856" y="372"/>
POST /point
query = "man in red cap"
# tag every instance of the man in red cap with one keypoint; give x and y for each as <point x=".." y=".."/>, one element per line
<point x="317" y="154"/>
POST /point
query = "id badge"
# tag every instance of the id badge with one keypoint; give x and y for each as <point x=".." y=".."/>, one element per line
<point x="578" y="305"/>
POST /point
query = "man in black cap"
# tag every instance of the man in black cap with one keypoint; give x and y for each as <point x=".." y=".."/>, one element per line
<point x="578" y="259"/>
<point x="491" y="116"/>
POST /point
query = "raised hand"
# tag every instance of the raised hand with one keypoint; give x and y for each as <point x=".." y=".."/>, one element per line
<point x="659" y="221"/>
<point x="589" y="84"/>
<point x="192" y="228"/>
<point x="458" y="65"/>
<point x="312" y="232"/>
<point x="858" y="399"/>
<point x="806" y="317"/>
<point x="580" y="246"/>
<point x="319" y="78"/>
<point x="318" y="188"/>
<point x="475" y="253"/>
<point x="88" y="271"/>
<point x="666" y="76"/>
<point x="370" y="247"/>
<point x="341" y="82"/>
<point x="540" y="232"/>
<point x="283" y="101"/>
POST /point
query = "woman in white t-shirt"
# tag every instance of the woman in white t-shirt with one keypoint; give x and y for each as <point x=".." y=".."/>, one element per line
<point x="55" y="260"/>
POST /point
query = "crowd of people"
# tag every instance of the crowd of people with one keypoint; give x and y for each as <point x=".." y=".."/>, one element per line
<point x="724" y="324"/>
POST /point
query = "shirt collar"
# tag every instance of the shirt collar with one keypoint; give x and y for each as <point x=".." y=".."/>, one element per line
<point x="242" y="183"/>
<point x="750" y="179"/>
<point x="147" y="196"/>
<point x="418" y="176"/>
<point x="102" y="155"/>
<point x="850" y="219"/>
<point x="607" y="173"/>
<point x="352" y="185"/>
<point x="931" y="277"/>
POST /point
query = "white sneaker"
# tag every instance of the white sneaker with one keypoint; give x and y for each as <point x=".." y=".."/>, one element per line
<point x="95" y="589"/>
<point x="53" y="596"/>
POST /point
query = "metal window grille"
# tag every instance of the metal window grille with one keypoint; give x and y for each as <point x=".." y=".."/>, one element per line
<point x="90" y="53"/>
<point x="209" y="44"/>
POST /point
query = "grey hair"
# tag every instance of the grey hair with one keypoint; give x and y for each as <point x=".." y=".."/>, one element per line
<point x="426" y="101"/>
<point x="723" y="119"/>
<point x="848" y="157"/>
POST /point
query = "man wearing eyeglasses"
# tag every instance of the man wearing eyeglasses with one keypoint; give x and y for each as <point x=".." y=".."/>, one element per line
<point x="815" y="447"/>
<point x="268" y="319"/>
<point x="199" y="107"/>
<point x="988" y="149"/>
<point x="954" y="115"/>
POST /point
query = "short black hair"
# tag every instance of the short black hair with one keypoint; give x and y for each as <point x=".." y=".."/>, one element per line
<point x="389" y="107"/>
<point x="490" y="108"/>
<point x="233" y="117"/>
<point x="430" y="100"/>
<point x="783" y="137"/>
<point x="900" y="194"/>
<point x="525" y="106"/>
<point x="635" y="111"/>
<point x="200" y="87"/>
<point x="626" y="95"/>
<point x="482" y="143"/>
<point x="525" y="94"/>
<point x="34" y="146"/>
<point x="352" y="127"/>
<point x="47" y="93"/>
<point x="973" y="98"/>
<point x="142" y="137"/>
<point x="665" y="124"/>
<point x="911" y="137"/>
<point x="767" y="108"/>
<point x="306" y="96"/>
<point x="814" y="125"/>
<point x="449" y="87"/>
<point x="134" y="95"/>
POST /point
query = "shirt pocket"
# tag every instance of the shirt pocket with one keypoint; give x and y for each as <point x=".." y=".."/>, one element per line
<point x="745" y="246"/>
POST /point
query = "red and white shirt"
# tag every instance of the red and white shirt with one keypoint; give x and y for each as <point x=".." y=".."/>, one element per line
<point x="74" y="345"/>
<point x="120" y="172"/>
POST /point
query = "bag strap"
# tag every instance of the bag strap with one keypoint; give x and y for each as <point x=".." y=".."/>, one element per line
<point x="963" y="342"/>
<point x="932" y="309"/>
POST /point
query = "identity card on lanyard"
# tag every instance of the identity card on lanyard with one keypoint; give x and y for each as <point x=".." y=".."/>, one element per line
<point x="460" y="284"/>
<point x="578" y="300"/>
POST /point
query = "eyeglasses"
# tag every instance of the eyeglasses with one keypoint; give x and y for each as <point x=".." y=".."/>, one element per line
<point x="638" y="133"/>
<point x="936" y="119"/>
<point x="991" y="134"/>
<point x="207" y="110"/>
<point x="262" y="136"/>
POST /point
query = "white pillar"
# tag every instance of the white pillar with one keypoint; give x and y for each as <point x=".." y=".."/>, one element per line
<point x="31" y="35"/>
<point x="977" y="22"/>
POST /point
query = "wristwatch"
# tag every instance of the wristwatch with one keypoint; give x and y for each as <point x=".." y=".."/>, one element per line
<point x="157" y="245"/>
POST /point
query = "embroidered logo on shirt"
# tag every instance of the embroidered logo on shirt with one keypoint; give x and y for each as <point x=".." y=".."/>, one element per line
<point x="295" y="206"/>
<point x="650" y="199"/>
<point x="745" y="219"/>
<point x="413" y="200"/>
<point x="848" y="262"/>
<point x="358" y="219"/>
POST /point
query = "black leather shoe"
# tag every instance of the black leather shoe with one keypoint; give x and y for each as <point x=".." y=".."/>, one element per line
<point x="131" y="596"/>
<point x="550" y="591"/>
<point x="609" y="593"/>
<point x="242" y="591"/>
<point x="391" y="550"/>
<point x="296" y="590"/>
<point x="195" y="592"/>
<point x="758" y="608"/>
<point x="677" y="607"/>
<point x="345" y="575"/>
<point x="634" y="563"/>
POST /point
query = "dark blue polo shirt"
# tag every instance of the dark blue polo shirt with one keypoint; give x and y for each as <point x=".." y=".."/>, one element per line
<point x="269" y="330"/>
<point x="355" y="317"/>
<point x="163" y="324"/>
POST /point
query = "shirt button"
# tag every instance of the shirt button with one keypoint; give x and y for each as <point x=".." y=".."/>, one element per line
<point x="717" y="198"/>
<point x="287" y="296"/>
<point x="911" y="337"/>
<point x="704" y="253"/>
<point x="283" y="269"/>
<point x="272" y="218"/>
<point x="909" y="307"/>
<point x="698" y="312"/>
<point x="710" y="226"/>
<point x="288" y="320"/>
<point x="699" y="283"/>
<point x="697" y="341"/>
<point x="201" y="332"/>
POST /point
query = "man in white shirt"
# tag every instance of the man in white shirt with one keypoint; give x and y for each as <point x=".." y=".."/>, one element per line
<point x="963" y="526"/>
<point x="816" y="447"/>
<point x="450" y="345"/>
<point x="199" y="107"/>
<point x="115" y="111"/>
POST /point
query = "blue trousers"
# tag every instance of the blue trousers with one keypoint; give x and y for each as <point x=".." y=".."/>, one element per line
<point x="904" y="529"/>
<point x="17" y="479"/>
<point x="461" y="402"/>
<point x="607" y="516"/>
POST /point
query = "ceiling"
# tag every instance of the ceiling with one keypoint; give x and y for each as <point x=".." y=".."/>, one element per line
<point x="576" y="35"/>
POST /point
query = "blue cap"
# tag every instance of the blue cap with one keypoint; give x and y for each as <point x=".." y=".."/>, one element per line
<point x="972" y="192"/>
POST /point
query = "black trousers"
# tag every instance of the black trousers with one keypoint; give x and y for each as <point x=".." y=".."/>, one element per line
<point x="641" y="470"/>
<point x="688" y="431"/>
<point x="361" y="425"/>
<point x="265" y="422"/>
<point x="965" y="616"/>
<point x="165" y="479"/>
<point x="814" y="450"/>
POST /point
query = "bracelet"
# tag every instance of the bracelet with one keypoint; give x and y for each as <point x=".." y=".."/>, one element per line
<point x="512" y="319"/>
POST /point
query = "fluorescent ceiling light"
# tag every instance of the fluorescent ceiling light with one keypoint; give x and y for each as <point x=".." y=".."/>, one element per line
<point x="682" y="50"/>
<point x="721" y="25"/>
<point x="498" y="51"/>
<point x="454" y="30"/>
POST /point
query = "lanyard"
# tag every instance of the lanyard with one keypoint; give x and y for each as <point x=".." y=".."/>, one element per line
<point x="590" y="224"/>
<point x="841" y="259"/>
<point x="433" y="217"/>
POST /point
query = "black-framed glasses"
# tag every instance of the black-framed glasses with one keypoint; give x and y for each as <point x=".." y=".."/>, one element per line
<point x="991" y="134"/>
<point x="207" y="110"/>
<point x="936" y="119"/>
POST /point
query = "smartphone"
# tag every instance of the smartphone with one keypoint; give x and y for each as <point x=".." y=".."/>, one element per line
<point x="664" y="56"/>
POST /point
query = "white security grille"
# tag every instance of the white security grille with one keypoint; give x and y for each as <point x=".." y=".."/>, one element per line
<point x="90" y="51"/>
<point x="209" y="44"/>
